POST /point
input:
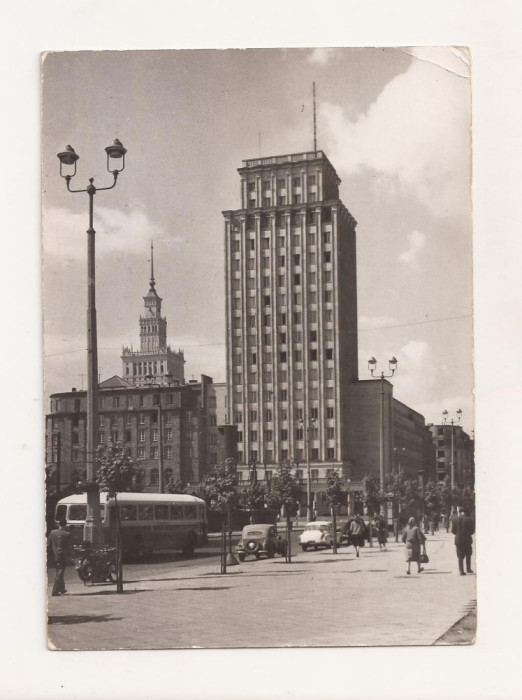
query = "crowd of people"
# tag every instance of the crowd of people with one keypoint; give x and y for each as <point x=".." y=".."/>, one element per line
<point x="357" y="532"/>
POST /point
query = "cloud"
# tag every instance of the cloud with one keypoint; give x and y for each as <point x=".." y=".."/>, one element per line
<point x="116" y="231"/>
<point x="321" y="56"/>
<point x="416" y="132"/>
<point x="416" y="243"/>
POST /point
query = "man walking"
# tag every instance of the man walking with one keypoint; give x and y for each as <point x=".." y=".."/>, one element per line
<point x="463" y="528"/>
<point x="61" y="544"/>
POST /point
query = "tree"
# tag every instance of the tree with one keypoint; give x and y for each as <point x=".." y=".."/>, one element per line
<point x="175" y="485"/>
<point x="221" y="486"/>
<point x="334" y="497"/>
<point x="285" y="493"/>
<point x="115" y="473"/>
<point x="253" y="497"/>
<point x="373" y="498"/>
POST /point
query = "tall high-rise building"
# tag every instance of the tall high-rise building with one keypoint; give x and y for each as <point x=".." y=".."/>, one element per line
<point x="154" y="361"/>
<point x="291" y="314"/>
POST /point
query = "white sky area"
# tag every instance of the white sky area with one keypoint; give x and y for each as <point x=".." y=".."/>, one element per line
<point x="394" y="123"/>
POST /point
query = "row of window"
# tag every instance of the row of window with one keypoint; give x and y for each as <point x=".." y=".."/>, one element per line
<point x="281" y="262"/>
<point x="326" y="238"/>
<point x="298" y="414"/>
<point x="299" y="434"/>
<point x="282" y="376"/>
<point x="313" y="393"/>
<point x="298" y="455"/>
<point x="281" y="183"/>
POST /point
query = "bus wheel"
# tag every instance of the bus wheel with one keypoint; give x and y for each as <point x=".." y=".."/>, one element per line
<point x="190" y="545"/>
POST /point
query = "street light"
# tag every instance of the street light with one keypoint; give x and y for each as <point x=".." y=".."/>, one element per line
<point x="309" y="516"/>
<point x="150" y="383"/>
<point x="68" y="158"/>
<point x="372" y="366"/>
<point x="453" y="422"/>
<point x="397" y="451"/>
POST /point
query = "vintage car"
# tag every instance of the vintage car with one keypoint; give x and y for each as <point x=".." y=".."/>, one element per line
<point x="260" y="539"/>
<point x="317" y="534"/>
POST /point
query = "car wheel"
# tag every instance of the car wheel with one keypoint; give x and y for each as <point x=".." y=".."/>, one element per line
<point x="304" y="547"/>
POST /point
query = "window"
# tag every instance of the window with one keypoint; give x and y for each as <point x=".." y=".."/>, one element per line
<point x="282" y="200"/>
<point x="281" y="280"/>
<point x="328" y="315"/>
<point x="235" y="265"/>
<point x="297" y="260"/>
<point x="253" y="436"/>
<point x="115" y="401"/>
<point x="154" y="434"/>
<point x="296" y="181"/>
<point x="146" y="512"/>
<point x="281" y="183"/>
<point x="296" y="242"/>
<point x="327" y="256"/>
<point x="141" y="436"/>
<point x="235" y="246"/>
<point x="297" y="317"/>
<point x="310" y="238"/>
<point x="329" y="353"/>
<point x="328" y="295"/>
<point x="298" y="355"/>
<point x="252" y="320"/>
<point x="330" y="453"/>
<point x="154" y="453"/>
<point x="299" y="414"/>
<point x="326" y="236"/>
<point x="75" y="455"/>
<point x="284" y="434"/>
<point x="266" y="300"/>
<point x="281" y="238"/>
<point x="268" y="415"/>
<point x="282" y="338"/>
<point x="253" y="358"/>
<point x="266" y="263"/>
<point x="315" y="472"/>
<point x="297" y="280"/>
<point x="299" y="434"/>
<point x="265" y="241"/>
<point x="282" y="319"/>
<point x="128" y="436"/>
<point x="141" y="453"/>
<point x="238" y="418"/>
<point x="441" y="453"/>
<point x="314" y="413"/>
<point x="282" y="375"/>
<point x="212" y="421"/>
<point x="311" y="180"/>
<point x="312" y="297"/>
<point x="268" y="435"/>
<point x="313" y="336"/>
<point x="267" y="339"/>
<point x="252" y="243"/>
<point x="283" y="413"/>
<point x="169" y="434"/>
<point x="252" y="416"/>
<point x="282" y="356"/>
<point x="236" y="284"/>
<point x="297" y="298"/>
<point x="281" y="260"/>
<point x="311" y="277"/>
<point x="283" y="395"/>
<point x="252" y="396"/>
<point x="330" y="433"/>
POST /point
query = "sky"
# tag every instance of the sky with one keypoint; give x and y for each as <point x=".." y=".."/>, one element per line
<point x="395" y="123"/>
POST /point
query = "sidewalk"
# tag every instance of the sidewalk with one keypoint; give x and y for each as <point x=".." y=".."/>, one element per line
<point x="320" y="599"/>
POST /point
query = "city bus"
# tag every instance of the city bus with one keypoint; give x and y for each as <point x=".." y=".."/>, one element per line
<point x="149" y="521"/>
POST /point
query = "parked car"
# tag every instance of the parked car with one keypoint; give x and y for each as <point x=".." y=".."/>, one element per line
<point x="260" y="539"/>
<point x="317" y="534"/>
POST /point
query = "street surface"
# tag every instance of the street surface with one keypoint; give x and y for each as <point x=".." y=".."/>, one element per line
<point x="320" y="599"/>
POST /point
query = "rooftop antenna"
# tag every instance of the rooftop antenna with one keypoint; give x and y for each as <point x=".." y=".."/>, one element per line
<point x="315" y="123"/>
<point x="152" y="282"/>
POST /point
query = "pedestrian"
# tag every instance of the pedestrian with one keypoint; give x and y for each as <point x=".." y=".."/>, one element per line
<point x="463" y="527"/>
<point x="60" y="542"/>
<point x="357" y="533"/>
<point x="436" y="519"/>
<point x="413" y="539"/>
<point x="381" y="532"/>
<point x="297" y="509"/>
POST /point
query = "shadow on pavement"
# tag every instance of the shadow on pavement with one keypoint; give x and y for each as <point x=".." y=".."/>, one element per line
<point x="205" y="588"/>
<point x="75" y="619"/>
<point x="219" y="576"/>
<point x="428" y="573"/>
<point x="111" y="592"/>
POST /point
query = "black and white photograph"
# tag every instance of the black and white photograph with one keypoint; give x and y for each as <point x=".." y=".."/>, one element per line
<point x="258" y="348"/>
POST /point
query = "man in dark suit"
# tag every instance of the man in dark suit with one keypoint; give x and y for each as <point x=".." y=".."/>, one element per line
<point x="463" y="527"/>
<point x="61" y="544"/>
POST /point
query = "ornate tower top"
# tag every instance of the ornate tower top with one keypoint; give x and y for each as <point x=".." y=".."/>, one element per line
<point x="152" y="300"/>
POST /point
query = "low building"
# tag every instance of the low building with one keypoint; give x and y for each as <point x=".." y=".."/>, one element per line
<point x="453" y="445"/>
<point x="170" y="427"/>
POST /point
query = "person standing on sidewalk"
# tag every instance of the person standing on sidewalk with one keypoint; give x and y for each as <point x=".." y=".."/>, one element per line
<point x="463" y="527"/>
<point x="413" y="539"/>
<point x="381" y="532"/>
<point x="61" y="544"/>
<point x="357" y="532"/>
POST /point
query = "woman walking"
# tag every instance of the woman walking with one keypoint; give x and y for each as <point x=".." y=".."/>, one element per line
<point x="381" y="532"/>
<point x="357" y="531"/>
<point x="413" y="538"/>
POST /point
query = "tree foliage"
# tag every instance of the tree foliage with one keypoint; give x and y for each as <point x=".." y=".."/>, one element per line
<point x="253" y="497"/>
<point x="115" y="470"/>
<point x="285" y="489"/>
<point x="335" y="492"/>
<point x="222" y="487"/>
<point x="175" y="485"/>
<point x="372" y="494"/>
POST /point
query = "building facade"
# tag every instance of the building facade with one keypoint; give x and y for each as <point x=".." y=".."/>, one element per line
<point x="155" y="361"/>
<point x="169" y="429"/>
<point x="453" y="445"/>
<point x="291" y="313"/>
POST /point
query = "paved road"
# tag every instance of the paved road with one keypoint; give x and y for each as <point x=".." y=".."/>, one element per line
<point x="321" y="599"/>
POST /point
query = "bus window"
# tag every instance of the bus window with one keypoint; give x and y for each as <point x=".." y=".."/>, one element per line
<point x="144" y="512"/>
<point x="161" y="512"/>
<point x="61" y="513"/>
<point x="127" y="513"/>
<point x="176" y="512"/>
<point x="77" y="512"/>
<point x="190" y="512"/>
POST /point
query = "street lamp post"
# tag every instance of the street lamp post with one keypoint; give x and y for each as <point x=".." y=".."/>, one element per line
<point x="309" y="515"/>
<point x="453" y="422"/>
<point x="115" y="152"/>
<point x="397" y="451"/>
<point x="161" y="461"/>
<point x="372" y="366"/>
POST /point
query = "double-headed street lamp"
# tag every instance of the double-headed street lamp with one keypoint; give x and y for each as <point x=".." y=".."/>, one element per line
<point x="372" y="366"/>
<point x="453" y="422"/>
<point x="115" y="153"/>
<point x="310" y="426"/>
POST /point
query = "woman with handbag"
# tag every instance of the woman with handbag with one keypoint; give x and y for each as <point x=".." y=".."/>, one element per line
<point x="414" y="539"/>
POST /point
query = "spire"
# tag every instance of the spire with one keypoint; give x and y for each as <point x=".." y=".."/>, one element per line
<point x="152" y="282"/>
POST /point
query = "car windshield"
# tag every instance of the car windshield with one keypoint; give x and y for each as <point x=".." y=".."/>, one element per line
<point x="314" y="526"/>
